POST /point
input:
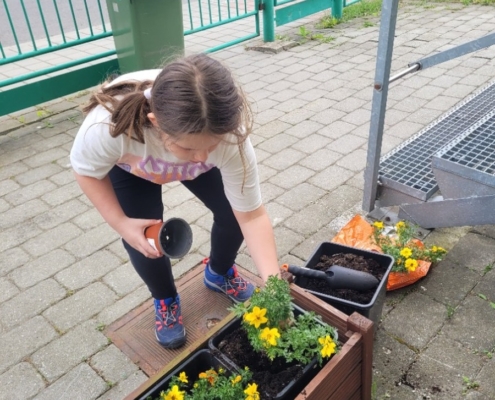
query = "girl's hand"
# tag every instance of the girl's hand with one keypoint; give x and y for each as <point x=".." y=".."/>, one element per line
<point x="132" y="231"/>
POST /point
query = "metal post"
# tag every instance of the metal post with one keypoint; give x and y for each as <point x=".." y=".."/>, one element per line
<point x="268" y="20"/>
<point x="337" y="8"/>
<point x="379" y="102"/>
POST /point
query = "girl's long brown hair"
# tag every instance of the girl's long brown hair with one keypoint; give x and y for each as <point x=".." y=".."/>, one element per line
<point x="192" y="95"/>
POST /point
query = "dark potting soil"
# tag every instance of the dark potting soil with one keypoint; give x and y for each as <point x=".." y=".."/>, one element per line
<point x="270" y="376"/>
<point x="352" y="261"/>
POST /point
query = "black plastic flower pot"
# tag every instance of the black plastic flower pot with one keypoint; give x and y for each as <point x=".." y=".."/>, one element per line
<point x="372" y="309"/>
<point x="200" y="361"/>
<point x="293" y="388"/>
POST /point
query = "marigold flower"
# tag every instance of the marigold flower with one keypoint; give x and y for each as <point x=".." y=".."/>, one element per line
<point x="237" y="379"/>
<point x="270" y="336"/>
<point x="378" y="224"/>
<point x="411" y="264"/>
<point x="183" y="377"/>
<point x="256" y="317"/>
<point x="174" y="394"/>
<point x="252" y="392"/>
<point x="328" y="346"/>
<point x="399" y="225"/>
<point x="406" y="252"/>
<point x="209" y="375"/>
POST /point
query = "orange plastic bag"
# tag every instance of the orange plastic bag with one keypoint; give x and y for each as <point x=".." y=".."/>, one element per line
<point x="358" y="233"/>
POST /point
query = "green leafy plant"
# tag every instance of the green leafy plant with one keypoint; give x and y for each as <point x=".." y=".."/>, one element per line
<point x="211" y="385"/>
<point x="469" y="383"/>
<point x="272" y="328"/>
<point x="364" y="8"/>
<point x="402" y="245"/>
<point x="306" y="34"/>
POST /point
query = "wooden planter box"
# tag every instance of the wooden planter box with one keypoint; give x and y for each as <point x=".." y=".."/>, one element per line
<point x="347" y="376"/>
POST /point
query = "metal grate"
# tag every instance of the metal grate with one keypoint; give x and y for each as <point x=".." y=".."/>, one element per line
<point x="476" y="149"/>
<point x="408" y="167"/>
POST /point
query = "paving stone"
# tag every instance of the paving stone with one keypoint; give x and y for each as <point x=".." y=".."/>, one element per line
<point x="82" y="379"/>
<point x="60" y="214"/>
<point x="391" y="360"/>
<point x="300" y="196"/>
<point x="37" y="174"/>
<point x="124" y="279"/>
<point x="320" y="159"/>
<point x="485" y="378"/>
<point x="472" y="324"/>
<point x="80" y="306"/>
<point x="292" y="176"/>
<point x="405" y="129"/>
<point x="45" y="157"/>
<point x="30" y="192"/>
<point x="7" y="290"/>
<point x="23" y="340"/>
<point x="327" y="116"/>
<point x="297" y="116"/>
<point x="88" y="270"/>
<point x="331" y="177"/>
<point x="278" y="143"/>
<point x="284" y="159"/>
<point x="271" y="129"/>
<point x="474" y="252"/>
<point x="418" y="307"/>
<point x="125" y="387"/>
<point x="317" y="215"/>
<point x="91" y="241"/>
<point x="303" y="129"/>
<point x="20" y="382"/>
<point x="126" y="304"/>
<point x="89" y="219"/>
<point x="112" y="365"/>
<point x="11" y="259"/>
<point x="76" y="346"/>
<point x="8" y="186"/>
<point x="356" y="161"/>
<point x="30" y="303"/>
<point x="41" y="268"/>
<point x="311" y="143"/>
<point x="62" y="194"/>
<point x="16" y="215"/>
<point x="449" y="283"/>
<point x="286" y="240"/>
<point x="269" y="192"/>
<point x="50" y="240"/>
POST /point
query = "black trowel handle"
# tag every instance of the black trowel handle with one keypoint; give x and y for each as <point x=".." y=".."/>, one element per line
<point x="302" y="271"/>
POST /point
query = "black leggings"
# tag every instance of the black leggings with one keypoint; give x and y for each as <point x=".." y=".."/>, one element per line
<point x="142" y="199"/>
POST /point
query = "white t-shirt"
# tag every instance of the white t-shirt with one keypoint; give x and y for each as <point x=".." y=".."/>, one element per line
<point x="94" y="153"/>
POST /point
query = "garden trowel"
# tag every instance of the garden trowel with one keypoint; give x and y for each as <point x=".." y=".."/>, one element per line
<point x="337" y="277"/>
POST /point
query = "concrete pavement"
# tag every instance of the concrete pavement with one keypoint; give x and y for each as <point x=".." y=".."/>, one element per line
<point x="64" y="275"/>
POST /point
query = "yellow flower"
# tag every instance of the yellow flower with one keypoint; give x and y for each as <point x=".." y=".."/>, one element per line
<point x="174" y="394"/>
<point x="411" y="265"/>
<point x="406" y="252"/>
<point x="183" y="377"/>
<point x="252" y="392"/>
<point x="378" y="224"/>
<point x="328" y="346"/>
<point x="399" y="225"/>
<point x="270" y="336"/>
<point x="237" y="379"/>
<point x="256" y="317"/>
<point x="257" y="290"/>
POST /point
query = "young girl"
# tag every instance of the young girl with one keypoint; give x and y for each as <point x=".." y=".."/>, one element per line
<point x="188" y="122"/>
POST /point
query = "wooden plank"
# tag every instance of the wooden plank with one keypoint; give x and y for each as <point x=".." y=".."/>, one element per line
<point x="358" y="323"/>
<point x="348" y="386"/>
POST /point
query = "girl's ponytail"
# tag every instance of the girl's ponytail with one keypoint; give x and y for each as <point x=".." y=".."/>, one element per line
<point x="128" y="106"/>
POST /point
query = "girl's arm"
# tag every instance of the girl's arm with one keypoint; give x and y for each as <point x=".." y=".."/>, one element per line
<point x="102" y="195"/>
<point x="258" y="234"/>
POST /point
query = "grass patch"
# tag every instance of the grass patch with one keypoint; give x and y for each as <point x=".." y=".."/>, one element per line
<point x="464" y="2"/>
<point x="364" y="8"/>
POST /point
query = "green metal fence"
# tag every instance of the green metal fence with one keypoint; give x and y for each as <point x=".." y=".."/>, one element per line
<point x="31" y="29"/>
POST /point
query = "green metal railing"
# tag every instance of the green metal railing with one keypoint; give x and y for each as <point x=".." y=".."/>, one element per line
<point x="41" y="27"/>
<point x="201" y="15"/>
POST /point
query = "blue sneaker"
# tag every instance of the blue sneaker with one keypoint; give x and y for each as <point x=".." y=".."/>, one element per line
<point x="169" y="330"/>
<point x="232" y="284"/>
